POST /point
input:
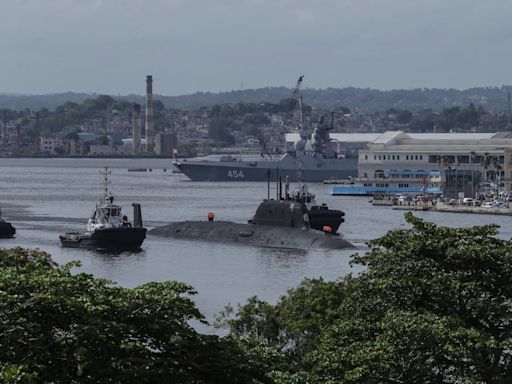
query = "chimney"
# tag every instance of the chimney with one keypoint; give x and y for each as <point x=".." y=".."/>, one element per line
<point x="149" y="113"/>
<point x="4" y="128"/>
<point x="136" y="128"/>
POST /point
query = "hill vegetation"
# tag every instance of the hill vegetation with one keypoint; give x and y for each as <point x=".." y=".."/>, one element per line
<point x="365" y="100"/>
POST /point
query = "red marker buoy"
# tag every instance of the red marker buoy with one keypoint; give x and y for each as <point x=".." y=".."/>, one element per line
<point x="211" y="216"/>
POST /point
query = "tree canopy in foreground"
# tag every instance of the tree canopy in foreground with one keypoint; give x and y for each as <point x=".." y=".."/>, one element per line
<point x="58" y="327"/>
<point x="434" y="305"/>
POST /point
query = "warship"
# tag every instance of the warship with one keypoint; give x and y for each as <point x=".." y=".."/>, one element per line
<point x="313" y="159"/>
<point x="289" y="222"/>
<point x="107" y="228"/>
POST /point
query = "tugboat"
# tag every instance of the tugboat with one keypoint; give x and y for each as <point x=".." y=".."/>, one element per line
<point x="6" y="229"/>
<point x="282" y="223"/>
<point x="107" y="228"/>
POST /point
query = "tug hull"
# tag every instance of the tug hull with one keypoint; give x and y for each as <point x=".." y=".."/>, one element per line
<point x="124" y="238"/>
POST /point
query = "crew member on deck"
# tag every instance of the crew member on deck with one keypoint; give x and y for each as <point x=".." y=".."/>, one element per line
<point x="126" y="223"/>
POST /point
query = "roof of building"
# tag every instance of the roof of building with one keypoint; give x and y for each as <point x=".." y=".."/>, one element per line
<point x="388" y="136"/>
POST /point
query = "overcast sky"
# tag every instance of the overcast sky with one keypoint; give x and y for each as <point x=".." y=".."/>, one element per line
<point x="108" y="46"/>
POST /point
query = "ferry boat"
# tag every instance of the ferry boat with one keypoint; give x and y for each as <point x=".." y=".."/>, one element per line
<point x="392" y="182"/>
<point x="108" y="228"/>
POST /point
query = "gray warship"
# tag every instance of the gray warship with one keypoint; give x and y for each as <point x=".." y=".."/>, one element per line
<point x="297" y="165"/>
<point x="313" y="159"/>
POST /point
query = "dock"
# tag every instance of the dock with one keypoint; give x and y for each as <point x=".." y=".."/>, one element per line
<point x="454" y="209"/>
<point x="478" y="210"/>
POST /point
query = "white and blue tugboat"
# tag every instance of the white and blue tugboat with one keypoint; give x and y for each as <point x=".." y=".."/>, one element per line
<point x="108" y="228"/>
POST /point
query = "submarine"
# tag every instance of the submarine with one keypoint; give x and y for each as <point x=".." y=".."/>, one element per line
<point x="293" y="222"/>
<point x="6" y="229"/>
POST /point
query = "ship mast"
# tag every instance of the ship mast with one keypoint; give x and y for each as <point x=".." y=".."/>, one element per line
<point x="106" y="183"/>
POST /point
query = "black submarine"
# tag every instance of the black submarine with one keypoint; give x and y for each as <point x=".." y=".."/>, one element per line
<point x="6" y="229"/>
<point x="107" y="228"/>
<point x="293" y="222"/>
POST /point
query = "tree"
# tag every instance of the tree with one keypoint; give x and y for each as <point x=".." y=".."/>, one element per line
<point x="220" y="130"/>
<point x="491" y="165"/>
<point x="61" y="327"/>
<point x="433" y="305"/>
<point x="404" y="117"/>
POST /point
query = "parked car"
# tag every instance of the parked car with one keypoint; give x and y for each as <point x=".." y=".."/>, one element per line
<point x="488" y="204"/>
<point x="467" y="201"/>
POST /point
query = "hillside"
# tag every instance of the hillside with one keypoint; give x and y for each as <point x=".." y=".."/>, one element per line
<point x="492" y="98"/>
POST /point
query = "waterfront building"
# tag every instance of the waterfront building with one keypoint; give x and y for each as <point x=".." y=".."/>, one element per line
<point x="397" y="150"/>
<point x="52" y="146"/>
<point x="165" y="144"/>
<point x="107" y="150"/>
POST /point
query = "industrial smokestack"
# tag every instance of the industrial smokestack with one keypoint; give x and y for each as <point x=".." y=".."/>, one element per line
<point x="4" y="128"/>
<point x="149" y="113"/>
<point x="136" y="128"/>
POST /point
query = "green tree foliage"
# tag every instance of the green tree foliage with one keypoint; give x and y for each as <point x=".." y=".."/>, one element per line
<point x="220" y="129"/>
<point x="453" y="118"/>
<point x="434" y="305"/>
<point x="62" y="327"/>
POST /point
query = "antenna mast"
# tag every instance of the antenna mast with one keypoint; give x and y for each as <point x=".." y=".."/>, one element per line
<point x="106" y="182"/>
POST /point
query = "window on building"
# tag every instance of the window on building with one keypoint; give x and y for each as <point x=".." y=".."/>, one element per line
<point x="366" y="157"/>
<point x="421" y="157"/>
<point x="398" y="157"/>
<point x="393" y="157"/>
<point x="416" y="157"/>
<point x="374" y="157"/>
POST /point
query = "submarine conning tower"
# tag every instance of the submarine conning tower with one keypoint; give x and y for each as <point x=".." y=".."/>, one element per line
<point x="284" y="213"/>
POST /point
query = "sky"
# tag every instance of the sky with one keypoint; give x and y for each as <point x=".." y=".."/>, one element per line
<point x="109" y="46"/>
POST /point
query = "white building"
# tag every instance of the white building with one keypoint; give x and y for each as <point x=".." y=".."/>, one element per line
<point x="51" y="146"/>
<point x="396" y="150"/>
<point x="107" y="150"/>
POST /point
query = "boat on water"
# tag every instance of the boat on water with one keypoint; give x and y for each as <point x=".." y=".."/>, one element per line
<point x="294" y="221"/>
<point x="6" y="228"/>
<point x="392" y="182"/>
<point x="313" y="159"/>
<point x="108" y="228"/>
<point x="297" y="165"/>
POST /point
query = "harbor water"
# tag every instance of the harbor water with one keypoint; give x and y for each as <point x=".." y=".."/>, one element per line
<point x="43" y="198"/>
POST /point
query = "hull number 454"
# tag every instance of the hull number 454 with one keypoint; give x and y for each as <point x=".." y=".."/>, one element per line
<point x="235" y="174"/>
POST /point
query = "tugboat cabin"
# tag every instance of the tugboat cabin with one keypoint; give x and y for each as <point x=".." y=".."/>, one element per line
<point x="107" y="215"/>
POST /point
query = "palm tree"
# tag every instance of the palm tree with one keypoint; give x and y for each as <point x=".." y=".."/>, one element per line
<point x="492" y="166"/>
<point x="446" y="162"/>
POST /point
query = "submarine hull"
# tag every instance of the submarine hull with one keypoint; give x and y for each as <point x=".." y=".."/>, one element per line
<point x="251" y="234"/>
<point x="118" y="239"/>
<point x="6" y="230"/>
